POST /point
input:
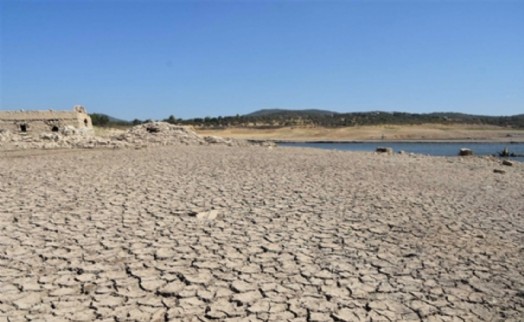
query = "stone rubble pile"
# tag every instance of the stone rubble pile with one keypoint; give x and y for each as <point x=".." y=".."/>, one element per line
<point x="143" y="135"/>
<point x="68" y="137"/>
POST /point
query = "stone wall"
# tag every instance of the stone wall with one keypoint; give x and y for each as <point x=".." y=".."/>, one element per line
<point x="44" y="121"/>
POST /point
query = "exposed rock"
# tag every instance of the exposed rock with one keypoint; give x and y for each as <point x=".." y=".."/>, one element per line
<point x="386" y="150"/>
<point x="507" y="162"/>
<point x="499" y="171"/>
<point x="160" y="133"/>
<point x="465" y="152"/>
<point x="143" y="135"/>
<point x="207" y="215"/>
<point x="216" y="140"/>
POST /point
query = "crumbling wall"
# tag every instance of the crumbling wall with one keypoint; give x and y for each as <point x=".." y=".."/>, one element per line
<point x="44" y="121"/>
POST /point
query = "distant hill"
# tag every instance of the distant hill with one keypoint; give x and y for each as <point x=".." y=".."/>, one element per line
<point x="274" y="118"/>
<point x="282" y="112"/>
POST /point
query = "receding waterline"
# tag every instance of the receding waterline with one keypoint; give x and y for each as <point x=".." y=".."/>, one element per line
<point x="428" y="148"/>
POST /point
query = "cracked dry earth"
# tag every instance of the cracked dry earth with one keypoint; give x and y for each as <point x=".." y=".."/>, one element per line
<point x="253" y="234"/>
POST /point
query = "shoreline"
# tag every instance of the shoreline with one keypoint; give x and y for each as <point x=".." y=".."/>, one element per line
<point x="385" y="133"/>
<point x="432" y="141"/>
<point x="340" y="145"/>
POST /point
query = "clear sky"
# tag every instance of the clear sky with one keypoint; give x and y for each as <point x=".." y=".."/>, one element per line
<point x="151" y="59"/>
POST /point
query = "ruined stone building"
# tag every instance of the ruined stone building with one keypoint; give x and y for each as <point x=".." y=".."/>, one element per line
<point x="44" y="121"/>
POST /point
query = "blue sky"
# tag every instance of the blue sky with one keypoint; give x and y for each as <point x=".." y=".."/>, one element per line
<point x="151" y="59"/>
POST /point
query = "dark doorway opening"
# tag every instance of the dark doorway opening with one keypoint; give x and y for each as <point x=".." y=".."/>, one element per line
<point x="23" y="127"/>
<point x="54" y="128"/>
<point x="85" y="122"/>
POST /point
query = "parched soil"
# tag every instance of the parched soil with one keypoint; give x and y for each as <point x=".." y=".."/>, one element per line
<point x="198" y="233"/>
<point x="427" y="132"/>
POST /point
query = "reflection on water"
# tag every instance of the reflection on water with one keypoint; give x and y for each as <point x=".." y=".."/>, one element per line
<point x="429" y="148"/>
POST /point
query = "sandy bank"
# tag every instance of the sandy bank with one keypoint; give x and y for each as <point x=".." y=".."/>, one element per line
<point x="187" y="233"/>
<point x="429" y="132"/>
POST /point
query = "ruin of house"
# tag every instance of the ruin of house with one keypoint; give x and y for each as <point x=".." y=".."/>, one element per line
<point x="44" y="121"/>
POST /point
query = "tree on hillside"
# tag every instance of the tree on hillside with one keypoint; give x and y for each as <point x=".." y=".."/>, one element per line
<point x="171" y="119"/>
<point x="99" y="119"/>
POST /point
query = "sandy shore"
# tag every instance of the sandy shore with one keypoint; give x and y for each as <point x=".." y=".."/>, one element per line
<point x="255" y="234"/>
<point x="426" y="132"/>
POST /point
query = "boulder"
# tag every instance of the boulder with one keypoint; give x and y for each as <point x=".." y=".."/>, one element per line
<point x="386" y="150"/>
<point x="215" y="139"/>
<point x="507" y="162"/>
<point x="465" y="152"/>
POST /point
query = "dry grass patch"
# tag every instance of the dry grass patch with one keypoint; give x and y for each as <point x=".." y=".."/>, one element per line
<point x="363" y="133"/>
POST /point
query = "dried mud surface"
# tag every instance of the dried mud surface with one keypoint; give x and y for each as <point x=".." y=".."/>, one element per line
<point x="197" y="233"/>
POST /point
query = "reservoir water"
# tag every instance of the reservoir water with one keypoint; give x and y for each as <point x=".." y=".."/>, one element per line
<point x="428" y="148"/>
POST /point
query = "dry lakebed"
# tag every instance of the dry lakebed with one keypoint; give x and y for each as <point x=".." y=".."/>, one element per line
<point x="200" y="233"/>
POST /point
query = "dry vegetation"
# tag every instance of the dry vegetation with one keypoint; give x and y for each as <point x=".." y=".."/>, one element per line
<point x="386" y="132"/>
